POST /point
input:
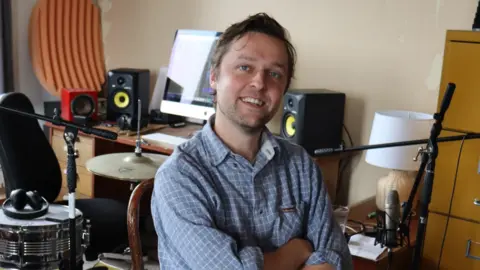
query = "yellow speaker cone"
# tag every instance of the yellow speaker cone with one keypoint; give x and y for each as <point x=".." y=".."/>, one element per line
<point x="121" y="100"/>
<point x="290" y="125"/>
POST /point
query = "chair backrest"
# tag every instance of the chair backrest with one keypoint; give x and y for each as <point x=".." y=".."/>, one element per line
<point x="26" y="156"/>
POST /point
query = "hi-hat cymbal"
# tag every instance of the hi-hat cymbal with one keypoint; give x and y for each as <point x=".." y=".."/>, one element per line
<point x="126" y="166"/>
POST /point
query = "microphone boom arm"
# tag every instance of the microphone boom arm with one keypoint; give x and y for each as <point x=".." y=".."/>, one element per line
<point x="427" y="165"/>
<point x="329" y="151"/>
<point x="56" y="120"/>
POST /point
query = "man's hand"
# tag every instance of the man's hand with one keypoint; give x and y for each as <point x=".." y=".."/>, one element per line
<point x="290" y="256"/>
<point x="319" y="267"/>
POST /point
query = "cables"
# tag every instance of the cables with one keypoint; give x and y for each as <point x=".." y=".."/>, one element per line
<point x="451" y="200"/>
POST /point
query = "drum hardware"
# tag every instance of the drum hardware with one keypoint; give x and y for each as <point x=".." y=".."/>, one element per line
<point x="86" y="235"/>
<point x="70" y="136"/>
<point x="42" y="242"/>
<point x="133" y="167"/>
<point x="125" y="256"/>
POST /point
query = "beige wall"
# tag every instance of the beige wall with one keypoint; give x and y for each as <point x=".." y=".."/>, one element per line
<point x="384" y="54"/>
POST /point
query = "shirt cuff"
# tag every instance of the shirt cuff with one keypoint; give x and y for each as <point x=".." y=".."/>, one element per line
<point x="325" y="256"/>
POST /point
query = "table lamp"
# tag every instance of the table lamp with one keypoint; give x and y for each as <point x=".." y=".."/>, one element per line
<point x="397" y="126"/>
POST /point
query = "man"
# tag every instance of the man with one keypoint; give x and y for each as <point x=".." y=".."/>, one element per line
<point x="234" y="196"/>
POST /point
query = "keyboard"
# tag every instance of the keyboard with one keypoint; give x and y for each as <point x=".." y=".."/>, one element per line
<point x="163" y="138"/>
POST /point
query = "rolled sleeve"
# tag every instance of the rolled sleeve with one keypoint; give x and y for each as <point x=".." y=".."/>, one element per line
<point x="329" y="243"/>
<point x="324" y="256"/>
<point x="183" y="213"/>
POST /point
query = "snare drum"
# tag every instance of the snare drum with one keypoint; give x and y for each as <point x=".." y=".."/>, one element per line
<point x="39" y="243"/>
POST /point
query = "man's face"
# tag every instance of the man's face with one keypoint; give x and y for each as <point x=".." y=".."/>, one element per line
<point x="251" y="80"/>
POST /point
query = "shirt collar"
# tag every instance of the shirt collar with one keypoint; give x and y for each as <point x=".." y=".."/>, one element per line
<point x="218" y="151"/>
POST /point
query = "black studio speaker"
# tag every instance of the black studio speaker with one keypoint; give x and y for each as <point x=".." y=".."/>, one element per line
<point x="313" y="118"/>
<point x="125" y="87"/>
<point x="476" y="19"/>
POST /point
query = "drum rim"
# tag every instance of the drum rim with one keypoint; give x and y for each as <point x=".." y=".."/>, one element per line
<point x="33" y="226"/>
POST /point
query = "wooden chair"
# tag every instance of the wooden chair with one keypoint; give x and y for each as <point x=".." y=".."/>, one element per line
<point x="133" y="213"/>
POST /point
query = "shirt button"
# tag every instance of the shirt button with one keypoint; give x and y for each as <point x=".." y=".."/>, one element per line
<point x="260" y="212"/>
<point x="235" y="165"/>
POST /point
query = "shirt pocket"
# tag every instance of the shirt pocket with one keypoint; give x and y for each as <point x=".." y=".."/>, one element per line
<point x="288" y="224"/>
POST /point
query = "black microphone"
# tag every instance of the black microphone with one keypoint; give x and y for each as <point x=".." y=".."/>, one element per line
<point x="101" y="133"/>
<point x="392" y="218"/>
<point x="324" y="151"/>
<point x="447" y="98"/>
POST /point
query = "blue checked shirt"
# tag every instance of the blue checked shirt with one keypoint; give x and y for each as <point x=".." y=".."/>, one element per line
<point x="213" y="209"/>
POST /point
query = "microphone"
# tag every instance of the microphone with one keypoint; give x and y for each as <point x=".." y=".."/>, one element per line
<point x="392" y="218"/>
<point x="100" y="133"/>
<point x="447" y="98"/>
<point x="324" y="151"/>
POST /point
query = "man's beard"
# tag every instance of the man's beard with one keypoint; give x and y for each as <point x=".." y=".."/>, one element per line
<point x="232" y="115"/>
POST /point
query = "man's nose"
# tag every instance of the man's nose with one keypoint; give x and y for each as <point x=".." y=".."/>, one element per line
<point x="258" y="81"/>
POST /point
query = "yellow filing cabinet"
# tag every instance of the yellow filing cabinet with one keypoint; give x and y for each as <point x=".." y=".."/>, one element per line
<point x="456" y="202"/>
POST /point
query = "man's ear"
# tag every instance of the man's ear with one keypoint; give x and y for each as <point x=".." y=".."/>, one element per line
<point x="213" y="78"/>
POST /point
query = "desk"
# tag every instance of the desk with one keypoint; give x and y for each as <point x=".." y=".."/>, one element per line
<point x="402" y="256"/>
<point x="88" y="146"/>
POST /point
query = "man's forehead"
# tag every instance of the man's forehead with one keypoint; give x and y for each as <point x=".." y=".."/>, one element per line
<point x="249" y="47"/>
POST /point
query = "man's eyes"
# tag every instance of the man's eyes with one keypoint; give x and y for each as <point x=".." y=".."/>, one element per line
<point x="273" y="74"/>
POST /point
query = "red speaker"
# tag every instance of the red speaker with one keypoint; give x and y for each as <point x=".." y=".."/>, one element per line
<point x="79" y="105"/>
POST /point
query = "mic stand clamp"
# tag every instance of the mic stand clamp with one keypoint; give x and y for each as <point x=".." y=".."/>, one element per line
<point x="70" y="136"/>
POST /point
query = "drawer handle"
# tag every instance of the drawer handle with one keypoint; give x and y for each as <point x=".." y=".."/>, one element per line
<point x="467" y="254"/>
<point x="476" y="202"/>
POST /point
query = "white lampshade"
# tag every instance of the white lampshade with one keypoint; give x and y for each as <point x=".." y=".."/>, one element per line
<point x="397" y="126"/>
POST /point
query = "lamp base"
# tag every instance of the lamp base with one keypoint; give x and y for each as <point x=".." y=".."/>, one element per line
<point x="401" y="181"/>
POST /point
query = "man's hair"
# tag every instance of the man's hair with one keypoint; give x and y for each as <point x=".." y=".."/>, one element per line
<point x="259" y="23"/>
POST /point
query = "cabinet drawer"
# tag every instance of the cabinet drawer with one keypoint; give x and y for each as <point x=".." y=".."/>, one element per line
<point x="83" y="148"/>
<point x="461" y="65"/>
<point x="462" y="244"/>
<point x="467" y="187"/>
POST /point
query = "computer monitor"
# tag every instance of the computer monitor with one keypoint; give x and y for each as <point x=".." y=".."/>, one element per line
<point x="187" y="88"/>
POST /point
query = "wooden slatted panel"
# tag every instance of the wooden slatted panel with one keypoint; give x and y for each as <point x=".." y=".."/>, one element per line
<point x="66" y="45"/>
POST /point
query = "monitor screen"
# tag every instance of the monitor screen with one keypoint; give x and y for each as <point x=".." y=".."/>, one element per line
<point x="187" y="87"/>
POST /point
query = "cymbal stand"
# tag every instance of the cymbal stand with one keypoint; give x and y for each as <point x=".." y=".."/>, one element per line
<point x="138" y="141"/>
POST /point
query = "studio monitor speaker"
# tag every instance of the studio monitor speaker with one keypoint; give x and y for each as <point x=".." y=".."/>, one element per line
<point x="125" y="87"/>
<point x="313" y="118"/>
<point x="79" y="105"/>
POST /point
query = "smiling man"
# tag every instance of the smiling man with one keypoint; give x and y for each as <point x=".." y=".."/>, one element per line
<point x="235" y="196"/>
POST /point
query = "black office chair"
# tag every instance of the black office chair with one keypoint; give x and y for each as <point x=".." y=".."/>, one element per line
<point x="29" y="162"/>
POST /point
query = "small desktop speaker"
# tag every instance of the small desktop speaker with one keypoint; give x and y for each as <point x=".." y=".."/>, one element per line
<point x="313" y="118"/>
<point x="79" y="105"/>
<point x="125" y="87"/>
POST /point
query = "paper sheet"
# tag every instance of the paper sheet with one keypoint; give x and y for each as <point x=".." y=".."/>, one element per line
<point x="364" y="246"/>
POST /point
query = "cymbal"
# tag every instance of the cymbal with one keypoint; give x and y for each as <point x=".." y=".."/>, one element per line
<point x="126" y="166"/>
